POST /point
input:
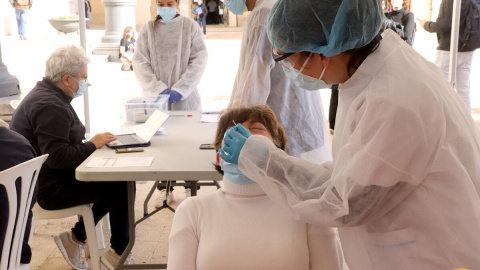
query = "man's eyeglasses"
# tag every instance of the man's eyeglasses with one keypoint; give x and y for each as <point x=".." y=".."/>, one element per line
<point x="283" y="59"/>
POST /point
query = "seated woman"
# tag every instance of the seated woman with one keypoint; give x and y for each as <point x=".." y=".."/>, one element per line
<point x="238" y="226"/>
<point x="127" y="48"/>
<point x="48" y="121"/>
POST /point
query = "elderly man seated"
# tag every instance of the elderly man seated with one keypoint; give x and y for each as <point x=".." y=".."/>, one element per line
<point x="46" y="118"/>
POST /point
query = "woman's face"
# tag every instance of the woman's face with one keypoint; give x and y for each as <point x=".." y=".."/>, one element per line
<point x="166" y="3"/>
<point x="312" y="68"/>
<point x="129" y="34"/>
<point x="256" y="128"/>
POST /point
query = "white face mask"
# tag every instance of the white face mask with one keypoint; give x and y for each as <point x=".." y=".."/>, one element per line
<point x="304" y="81"/>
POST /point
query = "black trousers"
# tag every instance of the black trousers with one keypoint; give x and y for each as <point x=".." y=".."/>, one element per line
<point x="332" y="112"/>
<point x="107" y="197"/>
<point x="26" y="255"/>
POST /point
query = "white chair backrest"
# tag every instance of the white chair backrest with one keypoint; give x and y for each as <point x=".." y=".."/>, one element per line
<point x="27" y="173"/>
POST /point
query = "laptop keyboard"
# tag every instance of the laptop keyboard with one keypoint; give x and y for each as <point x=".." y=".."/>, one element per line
<point x="128" y="139"/>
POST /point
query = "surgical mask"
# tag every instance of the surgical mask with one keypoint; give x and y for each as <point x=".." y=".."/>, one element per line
<point x="167" y="13"/>
<point x="82" y="87"/>
<point x="233" y="174"/>
<point x="236" y="6"/>
<point x="304" y="81"/>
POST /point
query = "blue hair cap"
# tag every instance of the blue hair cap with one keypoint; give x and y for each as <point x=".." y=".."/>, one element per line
<point x="327" y="27"/>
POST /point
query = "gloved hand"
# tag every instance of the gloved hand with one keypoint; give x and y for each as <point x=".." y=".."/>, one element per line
<point x="165" y="92"/>
<point x="233" y="142"/>
<point x="174" y="96"/>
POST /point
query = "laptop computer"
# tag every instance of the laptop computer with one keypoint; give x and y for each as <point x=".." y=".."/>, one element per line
<point x="143" y="136"/>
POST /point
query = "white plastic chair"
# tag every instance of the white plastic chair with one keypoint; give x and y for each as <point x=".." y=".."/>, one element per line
<point x="27" y="173"/>
<point x="91" y="249"/>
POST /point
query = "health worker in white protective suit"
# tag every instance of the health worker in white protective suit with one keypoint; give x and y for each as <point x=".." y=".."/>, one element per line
<point x="170" y="57"/>
<point x="262" y="81"/>
<point x="404" y="184"/>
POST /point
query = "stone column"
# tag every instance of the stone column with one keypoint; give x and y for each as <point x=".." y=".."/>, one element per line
<point x="9" y="84"/>
<point x="118" y="15"/>
<point x="185" y="8"/>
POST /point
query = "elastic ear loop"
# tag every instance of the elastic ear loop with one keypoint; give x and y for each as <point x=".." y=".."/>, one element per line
<point x="306" y="61"/>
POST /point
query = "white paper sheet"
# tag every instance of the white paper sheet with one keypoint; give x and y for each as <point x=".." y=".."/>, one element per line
<point x="97" y="162"/>
<point x="210" y="118"/>
<point x="134" y="130"/>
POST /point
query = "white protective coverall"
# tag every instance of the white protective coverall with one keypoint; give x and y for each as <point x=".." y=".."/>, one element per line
<point x="260" y="81"/>
<point x="405" y="181"/>
<point x="171" y="55"/>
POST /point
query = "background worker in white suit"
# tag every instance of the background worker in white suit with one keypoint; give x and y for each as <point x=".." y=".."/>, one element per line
<point x="404" y="186"/>
<point x="261" y="81"/>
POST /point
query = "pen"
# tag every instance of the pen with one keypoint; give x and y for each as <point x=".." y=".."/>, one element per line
<point x="234" y="122"/>
<point x="182" y="115"/>
<point x="158" y="98"/>
<point x="145" y="106"/>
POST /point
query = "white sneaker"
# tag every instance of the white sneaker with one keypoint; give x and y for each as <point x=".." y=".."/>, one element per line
<point x="161" y="198"/>
<point x="72" y="252"/>
<point x="188" y="192"/>
<point x="110" y="258"/>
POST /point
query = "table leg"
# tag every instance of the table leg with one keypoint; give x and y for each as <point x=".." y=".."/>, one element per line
<point x="131" y="223"/>
<point x="193" y="188"/>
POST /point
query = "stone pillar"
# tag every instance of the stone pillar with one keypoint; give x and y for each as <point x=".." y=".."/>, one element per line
<point x="9" y="84"/>
<point x="118" y="15"/>
<point x="185" y="8"/>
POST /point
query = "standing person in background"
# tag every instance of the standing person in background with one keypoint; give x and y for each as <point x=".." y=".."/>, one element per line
<point x="212" y="12"/>
<point x="442" y="26"/>
<point x="88" y="13"/>
<point x="170" y="58"/>
<point x="405" y="18"/>
<point x="201" y="12"/>
<point x="127" y="48"/>
<point x="21" y="11"/>
<point x="261" y="81"/>
<point x="15" y="149"/>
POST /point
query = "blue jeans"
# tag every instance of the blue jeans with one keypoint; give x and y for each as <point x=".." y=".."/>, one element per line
<point x="21" y="21"/>
<point x="202" y="19"/>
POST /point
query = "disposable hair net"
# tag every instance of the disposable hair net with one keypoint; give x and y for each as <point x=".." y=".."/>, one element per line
<point x="327" y="27"/>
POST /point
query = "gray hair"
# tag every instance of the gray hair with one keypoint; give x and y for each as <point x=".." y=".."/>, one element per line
<point x="65" y="60"/>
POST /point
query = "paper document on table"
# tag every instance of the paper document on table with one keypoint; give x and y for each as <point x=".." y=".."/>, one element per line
<point x="98" y="162"/>
<point x="134" y="130"/>
<point x="210" y="118"/>
<point x="127" y="130"/>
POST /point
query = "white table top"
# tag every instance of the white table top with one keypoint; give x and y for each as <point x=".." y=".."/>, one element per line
<point x="177" y="155"/>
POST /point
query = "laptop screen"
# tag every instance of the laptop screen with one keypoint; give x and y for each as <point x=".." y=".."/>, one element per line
<point x="154" y="122"/>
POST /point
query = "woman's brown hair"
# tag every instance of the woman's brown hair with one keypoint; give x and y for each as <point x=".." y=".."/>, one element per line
<point x="128" y="29"/>
<point x="260" y="113"/>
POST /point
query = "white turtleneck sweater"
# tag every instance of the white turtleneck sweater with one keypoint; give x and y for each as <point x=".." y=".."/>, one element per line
<point x="239" y="227"/>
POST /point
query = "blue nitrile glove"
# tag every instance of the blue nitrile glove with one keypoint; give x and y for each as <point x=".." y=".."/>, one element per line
<point x="233" y="142"/>
<point x="165" y="92"/>
<point x="174" y="96"/>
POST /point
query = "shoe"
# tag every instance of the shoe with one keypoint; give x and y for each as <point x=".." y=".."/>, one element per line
<point x="188" y="193"/>
<point x="111" y="258"/>
<point x="161" y="198"/>
<point x="72" y="252"/>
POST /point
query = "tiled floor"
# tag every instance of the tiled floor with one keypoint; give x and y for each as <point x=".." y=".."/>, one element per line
<point x="110" y="88"/>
